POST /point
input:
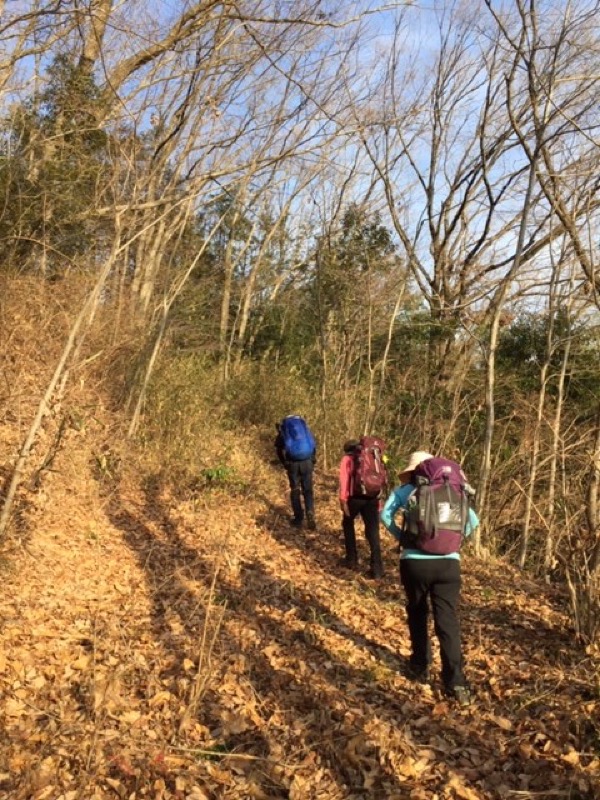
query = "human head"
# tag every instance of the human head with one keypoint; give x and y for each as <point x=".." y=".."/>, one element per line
<point x="416" y="458"/>
<point x="350" y="445"/>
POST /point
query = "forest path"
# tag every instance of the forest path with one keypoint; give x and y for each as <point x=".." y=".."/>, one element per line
<point x="160" y="649"/>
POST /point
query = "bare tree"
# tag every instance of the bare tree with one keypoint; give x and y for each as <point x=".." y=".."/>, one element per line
<point x="552" y="103"/>
<point x="441" y="144"/>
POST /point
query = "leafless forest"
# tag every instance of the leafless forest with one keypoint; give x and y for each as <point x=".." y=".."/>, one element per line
<point x="381" y="215"/>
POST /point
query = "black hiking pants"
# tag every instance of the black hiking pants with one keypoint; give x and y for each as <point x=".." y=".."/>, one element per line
<point x="300" y="476"/>
<point x="368" y="509"/>
<point x="437" y="580"/>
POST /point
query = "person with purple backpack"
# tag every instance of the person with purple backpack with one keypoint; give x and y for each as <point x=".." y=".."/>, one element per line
<point x="434" y="501"/>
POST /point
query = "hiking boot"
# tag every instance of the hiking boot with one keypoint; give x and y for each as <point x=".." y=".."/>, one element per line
<point x="295" y="523"/>
<point x="349" y="563"/>
<point x="417" y="674"/>
<point x="374" y="575"/>
<point x="461" y="695"/>
<point x="310" y="522"/>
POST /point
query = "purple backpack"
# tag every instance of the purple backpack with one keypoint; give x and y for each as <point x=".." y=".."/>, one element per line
<point x="438" y="509"/>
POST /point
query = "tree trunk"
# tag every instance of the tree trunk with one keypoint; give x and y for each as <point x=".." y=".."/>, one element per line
<point x="497" y="306"/>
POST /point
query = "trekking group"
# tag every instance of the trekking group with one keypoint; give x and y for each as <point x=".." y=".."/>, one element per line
<point x="430" y="512"/>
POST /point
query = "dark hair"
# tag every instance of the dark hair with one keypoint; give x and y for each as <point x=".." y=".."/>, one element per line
<point x="351" y="445"/>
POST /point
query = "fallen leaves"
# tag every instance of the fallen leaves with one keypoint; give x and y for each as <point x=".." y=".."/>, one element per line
<point x="304" y="695"/>
<point x="460" y="790"/>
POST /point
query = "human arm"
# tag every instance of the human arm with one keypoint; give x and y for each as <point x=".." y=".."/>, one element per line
<point x="280" y="449"/>
<point x="472" y="522"/>
<point x="396" y="502"/>
<point x="346" y="487"/>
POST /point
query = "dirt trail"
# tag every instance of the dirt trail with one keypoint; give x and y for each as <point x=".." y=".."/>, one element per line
<point x="155" y="649"/>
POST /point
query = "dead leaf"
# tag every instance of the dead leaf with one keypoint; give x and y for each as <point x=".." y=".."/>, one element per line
<point x="421" y="765"/>
<point x="406" y="768"/>
<point x="461" y="790"/>
<point x="196" y="793"/>
<point x="422" y="722"/>
<point x="130" y="717"/>
<point x="14" y="708"/>
<point x="502" y="722"/>
<point x="232" y="722"/>
<point x="81" y="663"/>
<point x="572" y="757"/>
<point x="117" y="786"/>
<point x="160" y="699"/>
<point x="46" y="793"/>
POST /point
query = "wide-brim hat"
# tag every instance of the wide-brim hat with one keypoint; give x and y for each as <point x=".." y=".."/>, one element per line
<point x="414" y="460"/>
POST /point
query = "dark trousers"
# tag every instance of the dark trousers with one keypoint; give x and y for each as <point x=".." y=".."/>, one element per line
<point x="368" y="509"/>
<point x="438" y="580"/>
<point x="300" y="475"/>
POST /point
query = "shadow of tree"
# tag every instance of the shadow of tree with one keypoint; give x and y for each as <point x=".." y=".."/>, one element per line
<point x="308" y="699"/>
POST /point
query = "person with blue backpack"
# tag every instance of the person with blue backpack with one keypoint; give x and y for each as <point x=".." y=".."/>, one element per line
<point x="296" y="449"/>
<point x="434" y="503"/>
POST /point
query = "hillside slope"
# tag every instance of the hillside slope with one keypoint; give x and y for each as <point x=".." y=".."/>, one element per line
<point x="156" y="648"/>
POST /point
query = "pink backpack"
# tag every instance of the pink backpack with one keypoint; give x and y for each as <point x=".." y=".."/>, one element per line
<point x="370" y="475"/>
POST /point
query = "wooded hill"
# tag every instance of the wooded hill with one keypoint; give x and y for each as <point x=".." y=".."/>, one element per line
<point x="185" y="643"/>
<point x="381" y="217"/>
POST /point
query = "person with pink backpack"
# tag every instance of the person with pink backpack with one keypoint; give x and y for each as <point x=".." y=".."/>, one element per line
<point x="363" y="482"/>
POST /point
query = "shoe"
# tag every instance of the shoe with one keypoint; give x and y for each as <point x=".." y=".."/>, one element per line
<point x="295" y="523"/>
<point x="310" y="522"/>
<point x="349" y="563"/>
<point x="374" y="575"/>
<point x="417" y="674"/>
<point x="461" y="695"/>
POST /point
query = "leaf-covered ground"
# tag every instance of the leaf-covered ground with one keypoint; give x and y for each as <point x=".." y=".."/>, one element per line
<point x="153" y="648"/>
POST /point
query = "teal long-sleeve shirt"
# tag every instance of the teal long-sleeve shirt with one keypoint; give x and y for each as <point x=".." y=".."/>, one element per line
<point x="397" y="501"/>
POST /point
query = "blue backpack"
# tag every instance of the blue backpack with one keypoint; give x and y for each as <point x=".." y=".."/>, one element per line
<point x="298" y="441"/>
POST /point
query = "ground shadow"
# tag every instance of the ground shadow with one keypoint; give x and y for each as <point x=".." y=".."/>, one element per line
<point x="314" y="695"/>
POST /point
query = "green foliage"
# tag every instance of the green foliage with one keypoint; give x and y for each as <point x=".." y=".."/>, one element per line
<point x="218" y="475"/>
<point x="522" y="352"/>
<point x="52" y="168"/>
<point x="362" y="246"/>
<point x="221" y="477"/>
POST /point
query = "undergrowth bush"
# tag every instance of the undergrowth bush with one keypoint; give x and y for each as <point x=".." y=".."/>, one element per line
<point x="181" y="415"/>
<point x="204" y="436"/>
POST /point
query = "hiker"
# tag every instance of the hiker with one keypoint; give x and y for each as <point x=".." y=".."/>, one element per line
<point x="363" y="481"/>
<point x="296" y="450"/>
<point x="430" y="562"/>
